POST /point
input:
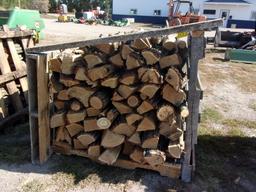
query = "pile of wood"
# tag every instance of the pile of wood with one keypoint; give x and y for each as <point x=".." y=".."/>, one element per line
<point x="121" y="101"/>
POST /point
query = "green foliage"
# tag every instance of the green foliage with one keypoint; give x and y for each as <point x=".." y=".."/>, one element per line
<point x="8" y="4"/>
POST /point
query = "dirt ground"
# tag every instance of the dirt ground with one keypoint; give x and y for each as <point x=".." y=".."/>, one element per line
<point x="226" y="150"/>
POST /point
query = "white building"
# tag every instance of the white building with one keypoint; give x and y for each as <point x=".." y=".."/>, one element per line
<point x="237" y="13"/>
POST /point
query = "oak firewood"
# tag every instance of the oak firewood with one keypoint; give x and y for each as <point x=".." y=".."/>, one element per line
<point x="164" y="112"/>
<point x="101" y="72"/>
<point x="173" y="96"/>
<point x="154" y="157"/>
<point x="137" y="155"/>
<point x="128" y="78"/>
<point x="74" y="129"/>
<point x="117" y="97"/>
<point x="133" y="118"/>
<point x="145" y="107"/>
<point x="109" y="156"/>
<point x="78" y="145"/>
<point x="87" y="138"/>
<point x="151" y="76"/>
<point x="92" y="112"/>
<point x="68" y="81"/>
<point x="82" y="94"/>
<point x="126" y="50"/>
<point x="107" y="48"/>
<point x="55" y="65"/>
<point x="60" y="105"/>
<point x="75" y="116"/>
<point x="111" y="139"/>
<point x="184" y="112"/>
<point x="169" y="44"/>
<point x="135" y="139"/>
<point x="117" y="60"/>
<point x="133" y="101"/>
<point x="170" y="60"/>
<point x="148" y="123"/>
<point x="122" y="108"/>
<point x="99" y="100"/>
<point x="92" y="125"/>
<point x="175" y="150"/>
<point x="92" y="60"/>
<point x="57" y="119"/>
<point x="150" y="140"/>
<point x="111" y="82"/>
<point x="173" y="78"/>
<point x="122" y="128"/>
<point x="133" y="61"/>
<point x="149" y="90"/>
<point x="76" y="105"/>
<point x="63" y="95"/>
<point x="140" y="44"/>
<point x="151" y="57"/>
<point x="126" y="91"/>
<point x="94" y="150"/>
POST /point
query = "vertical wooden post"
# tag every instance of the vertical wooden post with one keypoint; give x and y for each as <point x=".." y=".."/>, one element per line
<point x="196" y="52"/>
<point x="43" y="107"/>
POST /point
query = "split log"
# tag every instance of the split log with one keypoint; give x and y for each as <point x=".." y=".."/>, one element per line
<point x="67" y="137"/>
<point x="74" y="117"/>
<point x="149" y="90"/>
<point x="173" y="96"/>
<point x="63" y="95"/>
<point x="169" y="44"/>
<point x="133" y="101"/>
<point x="92" y="125"/>
<point x="111" y="139"/>
<point x="133" y="118"/>
<point x="123" y="128"/>
<point x="55" y="85"/>
<point x="67" y="66"/>
<point x="151" y="57"/>
<point x="154" y="157"/>
<point x="175" y="150"/>
<point x="126" y="91"/>
<point x="111" y="82"/>
<point x="128" y="79"/>
<point x="109" y="156"/>
<point x="101" y="72"/>
<point x="99" y="100"/>
<point x="117" y="97"/>
<point x="94" y="150"/>
<point x="173" y="78"/>
<point x="133" y="61"/>
<point x="126" y="50"/>
<point x="57" y="119"/>
<point x="107" y="48"/>
<point x="55" y="65"/>
<point x="81" y="75"/>
<point x="60" y="136"/>
<point x="135" y="139"/>
<point x="112" y="114"/>
<point x="148" y="123"/>
<point x="78" y="145"/>
<point x="170" y="60"/>
<point x="88" y="138"/>
<point x="92" y="112"/>
<point x="127" y="148"/>
<point x="122" y="108"/>
<point x="92" y="60"/>
<point x="68" y="81"/>
<point x="60" y="105"/>
<point x="76" y="105"/>
<point x="164" y="112"/>
<point x="184" y="112"/>
<point x="141" y="71"/>
<point x="117" y="60"/>
<point x="145" y="107"/>
<point x="166" y="128"/>
<point x="82" y="94"/>
<point x="175" y="135"/>
<point x="151" y="76"/>
<point x="74" y="129"/>
<point x="137" y="155"/>
<point x="150" y="140"/>
<point x="140" y="44"/>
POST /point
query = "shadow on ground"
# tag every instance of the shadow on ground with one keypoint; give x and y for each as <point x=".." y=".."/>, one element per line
<point x="223" y="164"/>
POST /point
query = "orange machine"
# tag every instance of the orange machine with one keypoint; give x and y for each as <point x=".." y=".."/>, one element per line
<point x="176" y="18"/>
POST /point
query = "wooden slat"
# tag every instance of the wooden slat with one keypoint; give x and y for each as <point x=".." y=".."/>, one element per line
<point x="11" y="86"/>
<point x="19" y="66"/>
<point x="14" y="34"/>
<point x="139" y="35"/>
<point x="43" y="108"/>
<point x="12" y="76"/>
<point x="27" y="42"/>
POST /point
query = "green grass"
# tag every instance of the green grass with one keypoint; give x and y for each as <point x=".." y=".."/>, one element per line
<point x="212" y="115"/>
<point x="235" y="123"/>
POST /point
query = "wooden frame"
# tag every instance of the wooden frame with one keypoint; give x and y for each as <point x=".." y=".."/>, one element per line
<point x="39" y="110"/>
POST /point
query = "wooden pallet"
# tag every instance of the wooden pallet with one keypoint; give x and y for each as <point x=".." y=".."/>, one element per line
<point x="13" y="81"/>
<point x="39" y="108"/>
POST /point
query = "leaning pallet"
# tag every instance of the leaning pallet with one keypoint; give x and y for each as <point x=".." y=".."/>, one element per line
<point x="130" y="101"/>
<point x="13" y="81"/>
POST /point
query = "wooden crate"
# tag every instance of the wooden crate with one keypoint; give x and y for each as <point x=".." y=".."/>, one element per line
<point x="39" y="102"/>
<point x="13" y="81"/>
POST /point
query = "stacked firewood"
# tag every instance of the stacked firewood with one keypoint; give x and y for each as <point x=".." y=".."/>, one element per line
<point x="121" y="100"/>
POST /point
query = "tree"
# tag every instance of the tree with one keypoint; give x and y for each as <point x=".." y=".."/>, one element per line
<point x="41" y="5"/>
